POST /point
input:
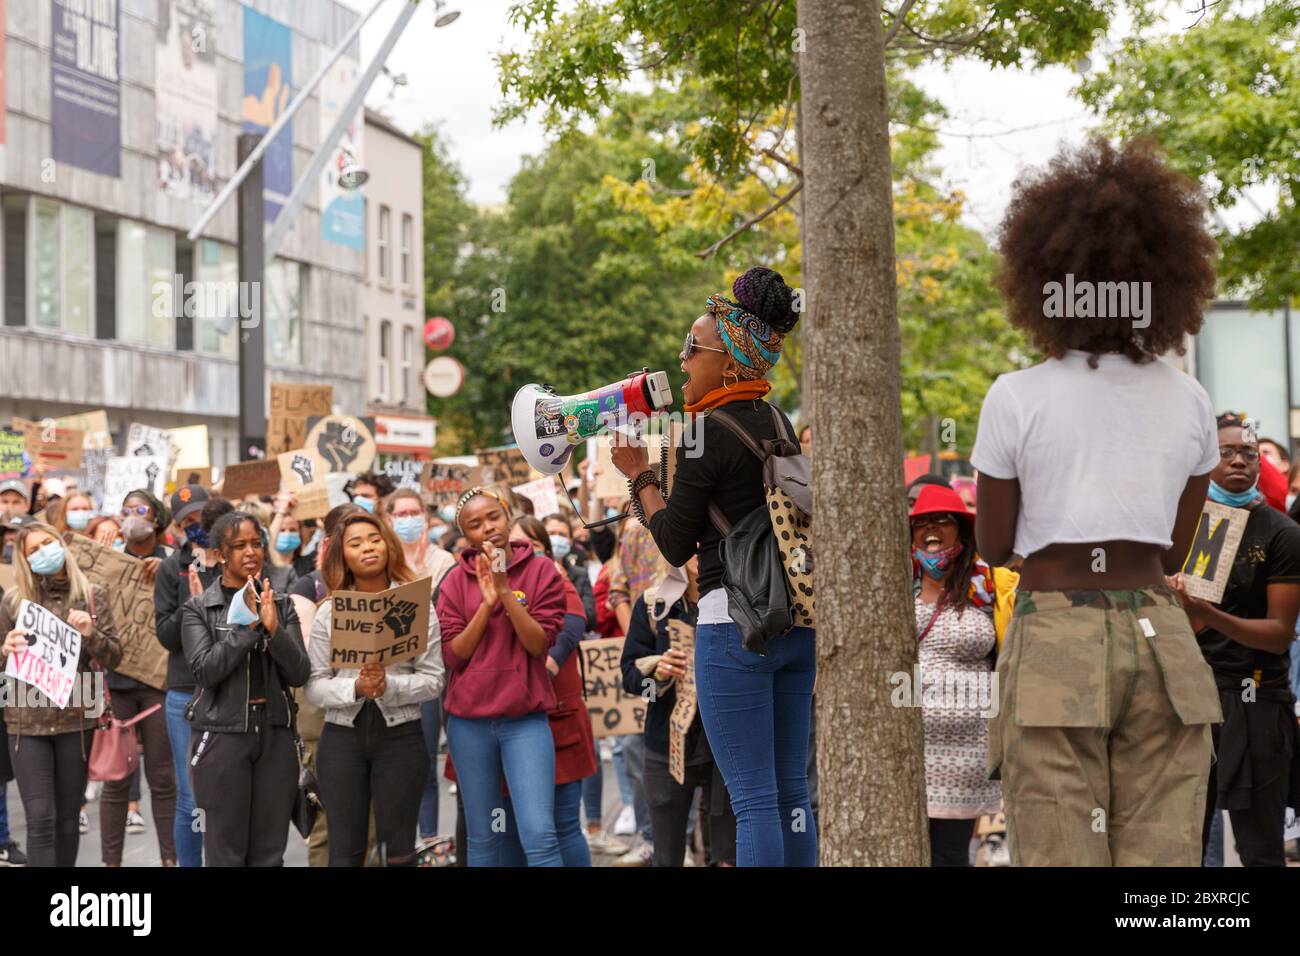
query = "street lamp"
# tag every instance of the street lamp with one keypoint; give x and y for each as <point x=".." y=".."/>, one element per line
<point x="441" y="19"/>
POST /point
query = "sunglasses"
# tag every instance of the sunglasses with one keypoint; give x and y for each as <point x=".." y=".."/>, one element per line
<point x="688" y="349"/>
<point x="936" y="520"/>
<point x="142" y="510"/>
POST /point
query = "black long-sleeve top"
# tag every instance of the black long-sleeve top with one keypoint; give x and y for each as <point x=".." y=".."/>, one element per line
<point x="726" y="473"/>
<point x="171" y="591"/>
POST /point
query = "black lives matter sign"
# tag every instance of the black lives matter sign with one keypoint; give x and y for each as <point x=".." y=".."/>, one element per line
<point x="385" y="628"/>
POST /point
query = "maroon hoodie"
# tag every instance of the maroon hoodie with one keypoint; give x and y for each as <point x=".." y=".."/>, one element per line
<point x="500" y="679"/>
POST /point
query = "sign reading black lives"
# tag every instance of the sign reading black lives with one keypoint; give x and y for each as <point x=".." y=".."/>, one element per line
<point x="382" y="628"/>
<point x="1214" y="548"/>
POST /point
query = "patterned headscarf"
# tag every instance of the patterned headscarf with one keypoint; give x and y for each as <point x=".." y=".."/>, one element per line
<point x="474" y="493"/>
<point x="751" y="341"/>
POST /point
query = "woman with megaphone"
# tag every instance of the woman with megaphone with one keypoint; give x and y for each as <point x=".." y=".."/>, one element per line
<point x="500" y="609"/>
<point x="755" y="707"/>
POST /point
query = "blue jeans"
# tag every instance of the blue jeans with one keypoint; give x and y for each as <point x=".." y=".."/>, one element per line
<point x="431" y="724"/>
<point x="592" y="793"/>
<point x="756" y="711"/>
<point x="522" y="749"/>
<point x="4" y="814"/>
<point x="188" y="839"/>
<point x="568" y="828"/>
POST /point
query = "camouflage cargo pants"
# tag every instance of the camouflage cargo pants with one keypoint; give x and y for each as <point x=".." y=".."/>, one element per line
<point x="1103" y="730"/>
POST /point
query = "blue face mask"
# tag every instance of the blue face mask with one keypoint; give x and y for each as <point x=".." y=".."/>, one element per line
<point x="936" y="565"/>
<point x="447" y="513"/>
<point x="364" y="503"/>
<point x="239" y="613"/>
<point x="1237" y="500"/>
<point x="119" y="545"/>
<point x="560" y="546"/>
<point x="612" y="512"/>
<point x="409" y="528"/>
<point x="78" y="519"/>
<point x="287" y="541"/>
<point x="47" y="559"/>
<point x="196" y="536"/>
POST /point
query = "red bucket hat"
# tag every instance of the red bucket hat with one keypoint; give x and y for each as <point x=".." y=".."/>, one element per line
<point x="937" y="499"/>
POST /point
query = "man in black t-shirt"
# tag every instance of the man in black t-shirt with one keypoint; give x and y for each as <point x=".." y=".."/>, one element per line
<point x="1246" y="640"/>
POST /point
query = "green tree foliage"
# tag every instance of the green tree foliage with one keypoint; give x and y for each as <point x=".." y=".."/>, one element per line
<point x="1223" y="98"/>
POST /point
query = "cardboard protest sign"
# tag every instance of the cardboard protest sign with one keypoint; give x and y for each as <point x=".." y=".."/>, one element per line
<point x="336" y="486"/>
<point x="303" y="472"/>
<point x="261" y="477"/>
<point x="92" y="425"/>
<point x="384" y="628"/>
<point x="194" y="476"/>
<point x="51" y="445"/>
<point x="49" y="663"/>
<point x="347" y="443"/>
<point x="145" y="441"/>
<point x="446" y="482"/>
<point x="131" y="601"/>
<point x="613" y="710"/>
<point x="1214" y="548"/>
<point x="682" y="638"/>
<point x="542" y="493"/>
<point x="404" y="472"/>
<point x="127" y="473"/>
<point x="505" y="465"/>
<point x="13" y="445"/>
<point x="94" y="470"/>
<point x="291" y="405"/>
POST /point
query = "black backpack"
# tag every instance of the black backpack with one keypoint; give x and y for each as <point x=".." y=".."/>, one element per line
<point x="756" y="574"/>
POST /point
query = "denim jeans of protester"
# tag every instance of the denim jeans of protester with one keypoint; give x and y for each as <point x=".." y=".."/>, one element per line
<point x="568" y="829"/>
<point x="756" y="710"/>
<point x="431" y="724"/>
<point x="187" y="836"/>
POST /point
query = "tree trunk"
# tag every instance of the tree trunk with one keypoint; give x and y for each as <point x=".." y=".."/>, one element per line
<point x="871" y="754"/>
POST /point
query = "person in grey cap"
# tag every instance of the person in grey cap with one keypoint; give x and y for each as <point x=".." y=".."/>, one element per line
<point x="15" y="498"/>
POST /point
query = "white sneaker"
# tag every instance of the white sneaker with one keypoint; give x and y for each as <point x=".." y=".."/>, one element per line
<point x="451" y="788"/>
<point x="134" y="822"/>
<point x="83" y="822"/>
<point x="999" y="854"/>
<point x="625" y="825"/>
<point x="602" y="842"/>
<point x="643" y="854"/>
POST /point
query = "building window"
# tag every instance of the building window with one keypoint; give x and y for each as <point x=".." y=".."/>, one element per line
<point x="385" y="237"/>
<point x="385" y="357"/>
<point x="282" y="297"/>
<point x="15" y="259"/>
<point x="408" y="352"/>
<point x="62" y="266"/>
<point x="146" y="262"/>
<point x="217" y="305"/>
<point x="408" y="236"/>
<point x="365" y="240"/>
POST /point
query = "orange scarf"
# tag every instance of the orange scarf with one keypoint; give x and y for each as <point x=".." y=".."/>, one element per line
<point x="740" y="392"/>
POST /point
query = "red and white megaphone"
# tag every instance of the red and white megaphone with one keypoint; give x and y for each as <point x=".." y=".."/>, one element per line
<point x="548" y="427"/>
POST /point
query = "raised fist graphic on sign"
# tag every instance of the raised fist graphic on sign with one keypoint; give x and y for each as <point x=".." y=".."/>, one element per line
<point x="400" y="616"/>
<point x="340" y="444"/>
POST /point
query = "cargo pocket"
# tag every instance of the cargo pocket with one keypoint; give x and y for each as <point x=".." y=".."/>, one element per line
<point x="1189" y="681"/>
<point x="1060" y="669"/>
<point x="1006" y="664"/>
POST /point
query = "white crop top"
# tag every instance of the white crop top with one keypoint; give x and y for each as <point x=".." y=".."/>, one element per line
<point x="1101" y="454"/>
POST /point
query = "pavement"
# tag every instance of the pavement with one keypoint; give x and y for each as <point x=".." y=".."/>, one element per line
<point x="141" y="849"/>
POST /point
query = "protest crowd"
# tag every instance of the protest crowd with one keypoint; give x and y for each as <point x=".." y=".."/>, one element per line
<point x="318" y="647"/>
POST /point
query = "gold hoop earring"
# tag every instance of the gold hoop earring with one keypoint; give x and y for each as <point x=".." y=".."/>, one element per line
<point x="735" y="380"/>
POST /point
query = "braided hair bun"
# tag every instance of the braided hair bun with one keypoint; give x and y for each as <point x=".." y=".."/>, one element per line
<point x="764" y="293"/>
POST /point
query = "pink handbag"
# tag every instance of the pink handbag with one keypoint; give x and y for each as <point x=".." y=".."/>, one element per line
<point x="114" y="752"/>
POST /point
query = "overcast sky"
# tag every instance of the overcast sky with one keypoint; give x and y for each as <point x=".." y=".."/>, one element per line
<point x="1001" y="120"/>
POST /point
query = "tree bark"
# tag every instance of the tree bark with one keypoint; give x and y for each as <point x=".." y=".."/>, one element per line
<point x="871" y="754"/>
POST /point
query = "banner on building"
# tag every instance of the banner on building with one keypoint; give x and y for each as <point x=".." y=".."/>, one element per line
<point x="343" y="212"/>
<point x="268" y="76"/>
<point x="86" y="85"/>
<point x="185" y="85"/>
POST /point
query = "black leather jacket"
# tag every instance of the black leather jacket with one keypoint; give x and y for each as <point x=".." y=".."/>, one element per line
<point x="218" y="655"/>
